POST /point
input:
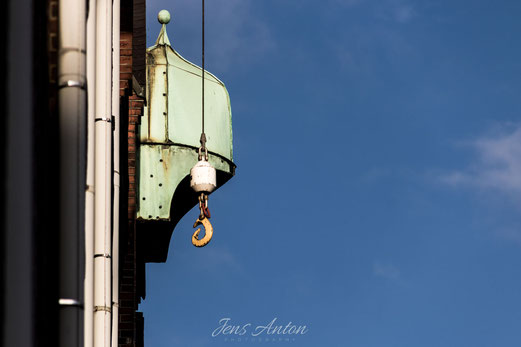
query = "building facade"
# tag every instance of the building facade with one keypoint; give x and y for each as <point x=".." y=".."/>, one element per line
<point x="98" y="142"/>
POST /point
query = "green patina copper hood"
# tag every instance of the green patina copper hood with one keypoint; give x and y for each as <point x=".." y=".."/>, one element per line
<point x="169" y="138"/>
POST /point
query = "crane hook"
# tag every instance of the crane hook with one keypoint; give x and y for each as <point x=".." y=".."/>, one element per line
<point x="208" y="232"/>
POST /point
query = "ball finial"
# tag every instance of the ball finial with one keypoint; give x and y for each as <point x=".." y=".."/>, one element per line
<point x="163" y="17"/>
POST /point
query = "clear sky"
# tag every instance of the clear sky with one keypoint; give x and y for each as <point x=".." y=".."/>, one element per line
<point x="377" y="199"/>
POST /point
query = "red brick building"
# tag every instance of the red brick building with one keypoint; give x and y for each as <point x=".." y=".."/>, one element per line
<point x="132" y="83"/>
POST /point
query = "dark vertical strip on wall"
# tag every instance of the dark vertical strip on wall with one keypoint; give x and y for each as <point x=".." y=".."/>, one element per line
<point x="123" y="172"/>
<point x="3" y="67"/>
<point x="139" y="71"/>
<point x="140" y="329"/>
<point x="46" y="164"/>
<point x="19" y="271"/>
<point x="126" y="288"/>
<point x="139" y="41"/>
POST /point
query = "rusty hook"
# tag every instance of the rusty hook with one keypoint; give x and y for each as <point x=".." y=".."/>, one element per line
<point x="208" y="232"/>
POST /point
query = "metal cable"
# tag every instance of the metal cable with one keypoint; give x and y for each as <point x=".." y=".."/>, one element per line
<point x="203" y="135"/>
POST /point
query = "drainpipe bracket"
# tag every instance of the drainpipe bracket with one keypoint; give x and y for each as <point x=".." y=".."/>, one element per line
<point x="102" y="308"/>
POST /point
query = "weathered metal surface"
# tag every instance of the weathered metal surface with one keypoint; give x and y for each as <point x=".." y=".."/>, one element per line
<point x="170" y="131"/>
<point x="173" y="112"/>
<point x="161" y="170"/>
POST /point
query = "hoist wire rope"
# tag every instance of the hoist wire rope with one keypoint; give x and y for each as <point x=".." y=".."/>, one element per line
<point x="203" y="135"/>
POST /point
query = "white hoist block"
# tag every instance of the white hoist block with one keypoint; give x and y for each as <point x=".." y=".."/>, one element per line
<point x="204" y="178"/>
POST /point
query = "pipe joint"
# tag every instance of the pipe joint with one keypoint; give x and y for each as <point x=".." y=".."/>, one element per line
<point x="72" y="84"/>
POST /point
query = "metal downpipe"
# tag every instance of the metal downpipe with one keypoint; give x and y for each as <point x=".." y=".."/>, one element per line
<point x="90" y="189"/>
<point x="116" y="178"/>
<point x="103" y="177"/>
<point x="72" y="120"/>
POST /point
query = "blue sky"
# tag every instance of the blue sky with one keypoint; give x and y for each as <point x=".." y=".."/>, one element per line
<point x="377" y="199"/>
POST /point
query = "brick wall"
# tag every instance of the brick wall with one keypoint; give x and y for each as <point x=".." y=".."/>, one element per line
<point x="132" y="266"/>
<point x="130" y="321"/>
<point x="139" y="40"/>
